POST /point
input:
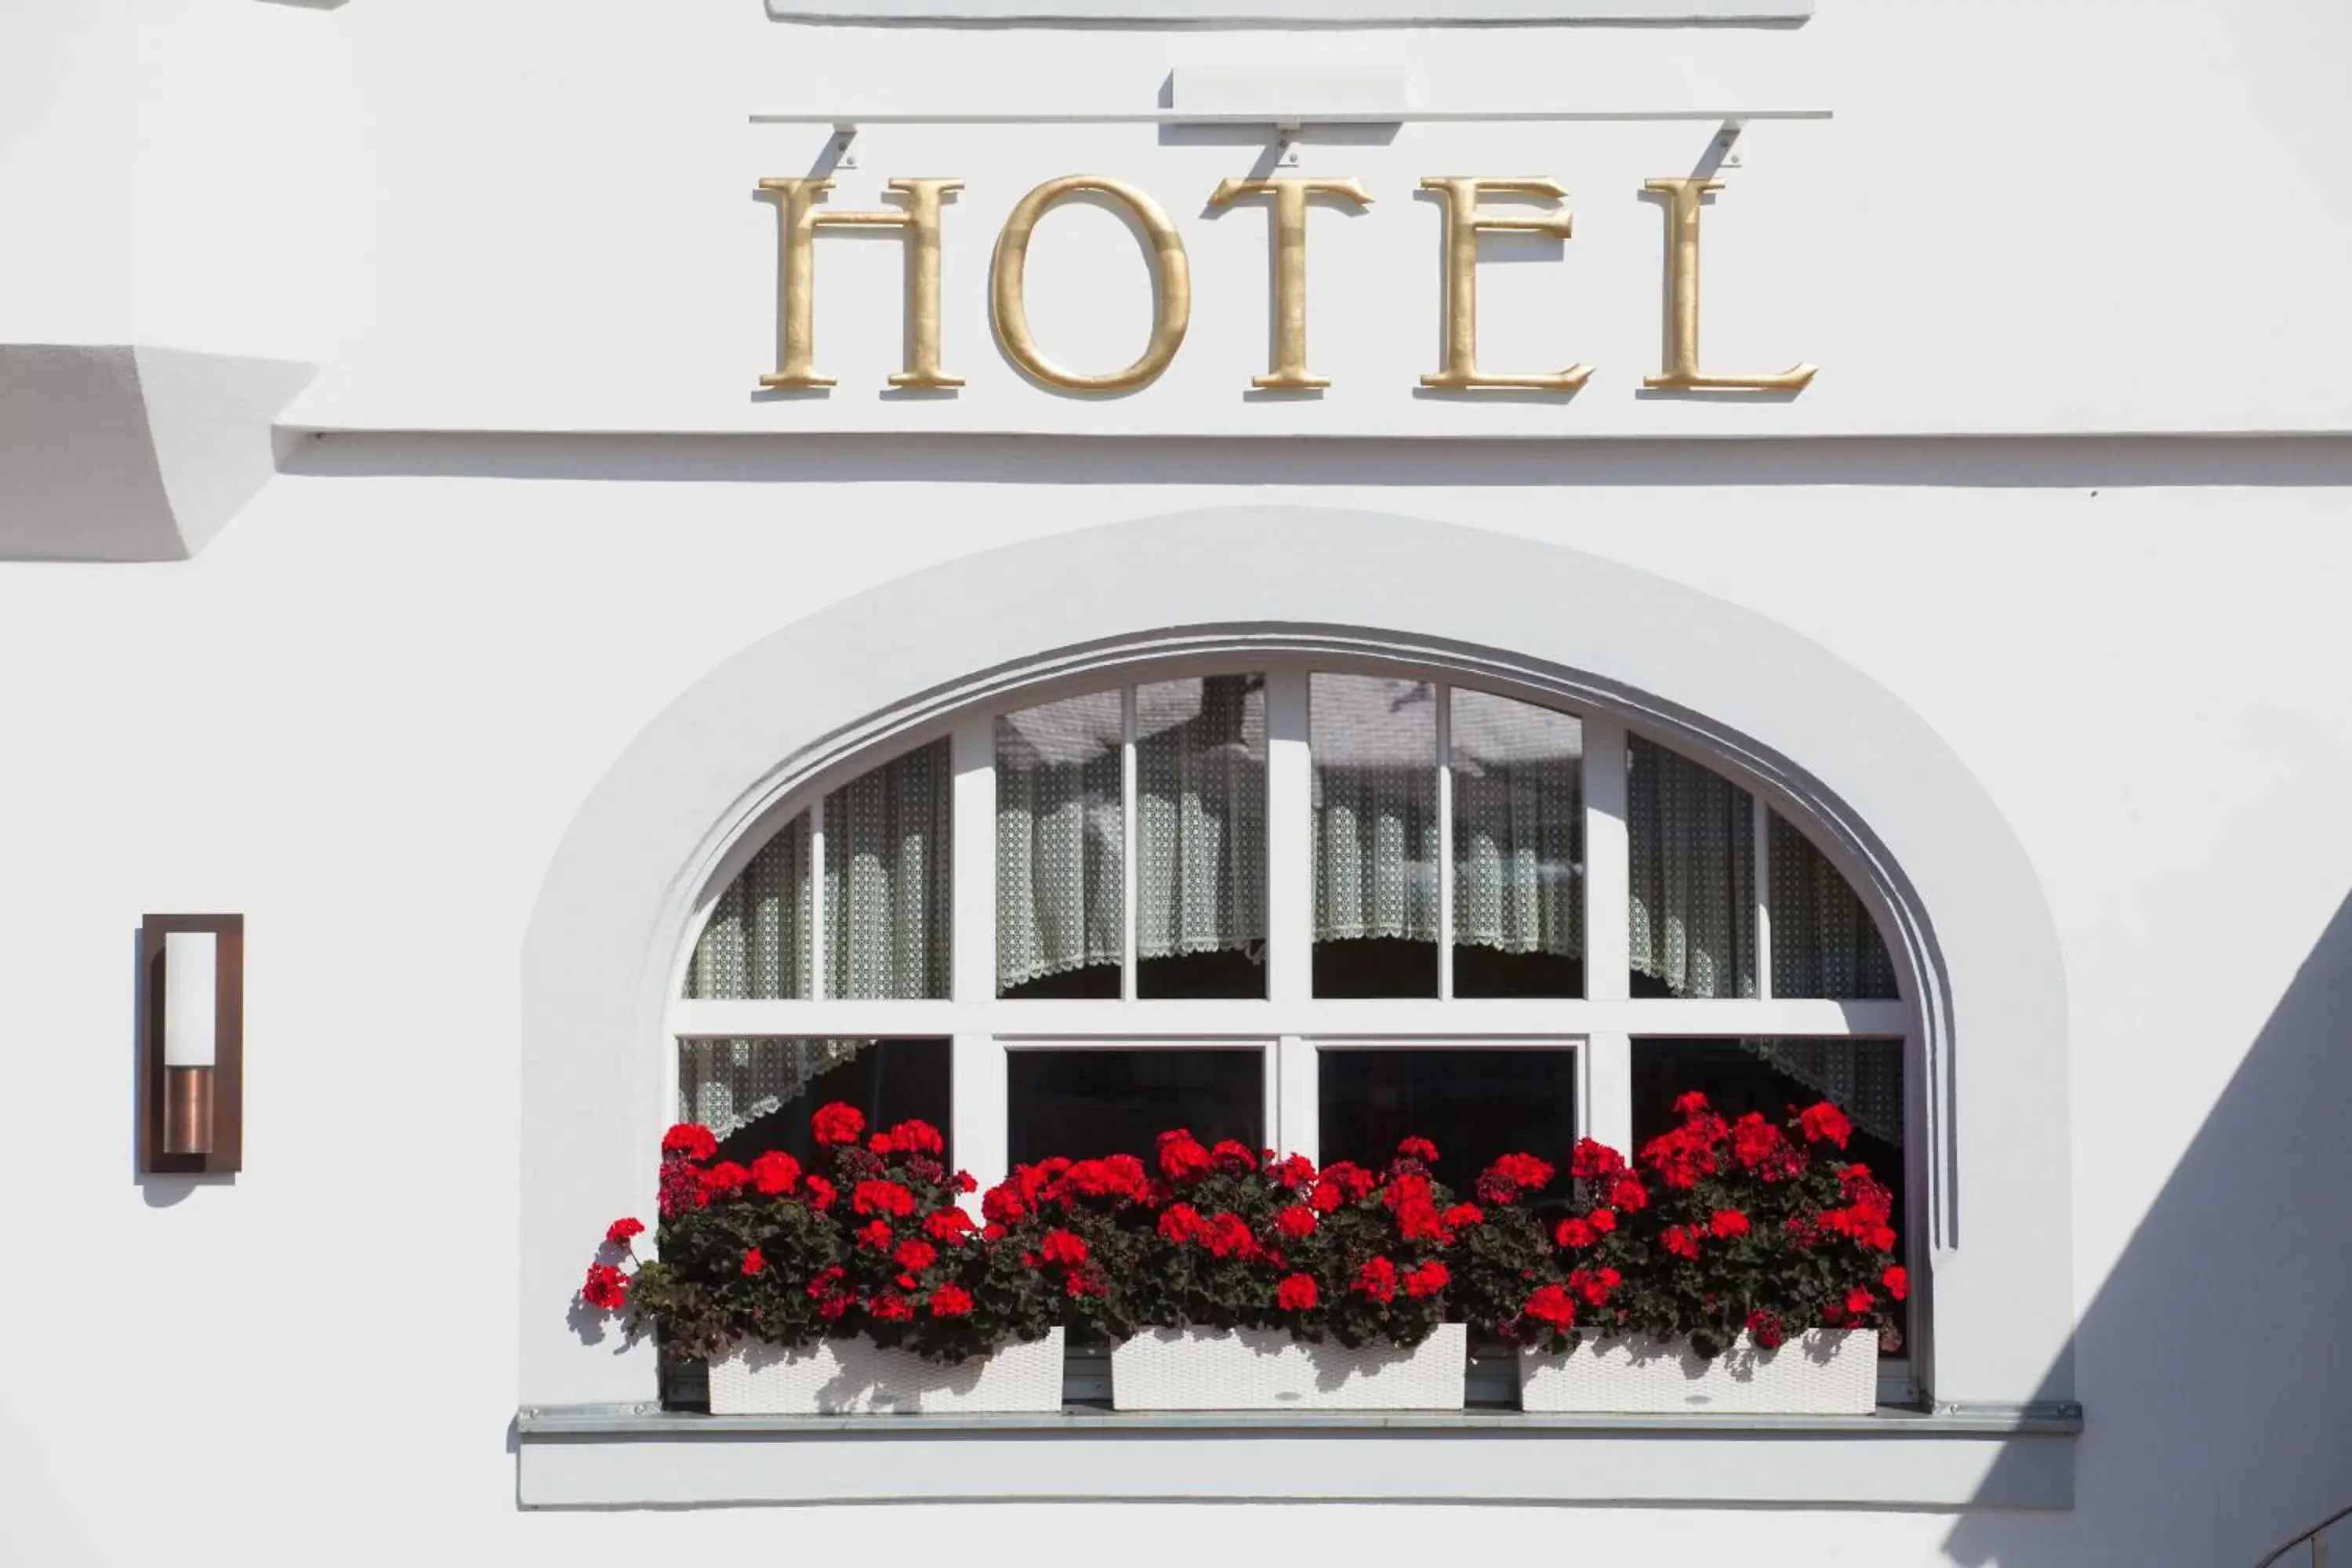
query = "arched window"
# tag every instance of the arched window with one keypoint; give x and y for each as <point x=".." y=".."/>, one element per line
<point x="1308" y="903"/>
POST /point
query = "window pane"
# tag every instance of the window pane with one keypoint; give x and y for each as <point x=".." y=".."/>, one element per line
<point x="1087" y="1103"/>
<point x="1519" y="848"/>
<point x="1200" y="852"/>
<point x="1374" y="741"/>
<point x="887" y="861"/>
<point x="1473" y="1104"/>
<point x="755" y="946"/>
<point x="1824" y="942"/>
<point x="1060" y="842"/>
<point x="1861" y="1078"/>
<point x="757" y="1095"/>
<point x="1690" y="839"/>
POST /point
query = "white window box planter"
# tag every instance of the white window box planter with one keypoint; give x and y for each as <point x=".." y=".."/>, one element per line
<point x="843" y="1377"/>
<point x="1825" y="1372"/>
<point x="1265" y="1369"/>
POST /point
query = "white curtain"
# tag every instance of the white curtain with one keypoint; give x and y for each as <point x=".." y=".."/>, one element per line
<point x="727" y="1085"/>
<point x="887" y="864"/>
<point x="1374" y="741"/>
<point x="1690" y="839"/>
<point x="1824" y="942"/>
<point x="756" y="944"/>
<point x="1519" y="826"/>
<point x="1861" y="1078"/>
<point x="1199" y="802"/>
<point x="1059" y="838"/>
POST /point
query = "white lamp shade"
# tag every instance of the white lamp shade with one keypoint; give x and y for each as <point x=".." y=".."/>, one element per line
<point x="190" y="966"/>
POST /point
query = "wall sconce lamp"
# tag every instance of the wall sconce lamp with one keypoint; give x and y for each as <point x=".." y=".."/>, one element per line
<point x="192" y="1044"/>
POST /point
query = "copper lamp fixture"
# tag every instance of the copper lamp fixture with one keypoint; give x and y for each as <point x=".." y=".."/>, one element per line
<point x="192" y="1044"/>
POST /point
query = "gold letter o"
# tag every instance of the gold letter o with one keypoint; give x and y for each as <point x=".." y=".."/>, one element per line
<point x="1009" y="313"/>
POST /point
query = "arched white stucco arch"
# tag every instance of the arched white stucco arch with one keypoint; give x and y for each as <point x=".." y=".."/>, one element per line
<point x="1907" y="816"/>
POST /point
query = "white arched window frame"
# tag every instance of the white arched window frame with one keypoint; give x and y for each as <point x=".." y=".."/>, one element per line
<point x="1289" y="1025"/>
<point x="1871" y="782"/>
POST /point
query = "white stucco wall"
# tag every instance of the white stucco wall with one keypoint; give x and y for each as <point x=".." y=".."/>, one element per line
<point x="367" y="714"/>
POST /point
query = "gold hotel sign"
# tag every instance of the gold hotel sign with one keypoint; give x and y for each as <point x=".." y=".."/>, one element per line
<point x="802" y="215"/>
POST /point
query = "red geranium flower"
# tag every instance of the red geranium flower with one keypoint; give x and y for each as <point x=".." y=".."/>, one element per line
<point x="882" y="1197"/>
<point x="1859" y="1300"/>
<point x="916" y="1138"/>
<point x="1228" y="1235"/>
<point x="1825" y="1122"/>
<point x="1512" y="1174"/>
<point x="1326" y="1196"/>
<point x="891" y="1309"/>
<point x="1627" y="1193"/>
<point x="819" y="1192"/>
<point x="1296" y="1222"/>
<point x="1765" y="1330"/>
<point x="1378" y="1279"/>
<point x="1689" y="1105"/>
<point x="775" y="1172"/>
<point x="726" y="1177"/>
<point x="1180" y="1222"/>
<point x="754" y="1261"/>
<point x="1232" y="1158"/>
<point x="1353" y="1180"/>
<point x="1461" y="1214"/>
<point x="691" y="1139"/>
<point x="1064" y="1247"/>
<point x="950" y="1302"/>
<point x="620" y="1230"/>
<point x="1550" y="1304"/>
<point x="606" y="1289"/>
<point x="1592" y="1159"/>
<point x="1576" y="1233"/>
<point x="1603" y="1220"/>
<point x="1296" y="1171"/>
<point x="950" y="1226"/>
<point x="837" y="1123"/>
<point x="875" y="1234"/>
<point x="913" y="1255"/>
<point x="1181" y="1156"/>
<point x="1728" y="1222"/>
<point x="1420" y="1148"/>
<point x="1296" y="1294"/>
<point x="1428" y="1280"/>
<point x="1897" y="1280"/>
<point x="1679" y="1241"/>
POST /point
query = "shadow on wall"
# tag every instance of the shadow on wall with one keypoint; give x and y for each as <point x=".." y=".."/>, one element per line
<point x="2215" y="1363"/>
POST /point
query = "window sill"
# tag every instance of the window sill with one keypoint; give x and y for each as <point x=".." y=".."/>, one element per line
<point x="637" y="1456"/>
<point x="1165" y="13"/>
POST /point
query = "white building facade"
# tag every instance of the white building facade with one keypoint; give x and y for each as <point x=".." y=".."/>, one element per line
<point x="483" y="486"/>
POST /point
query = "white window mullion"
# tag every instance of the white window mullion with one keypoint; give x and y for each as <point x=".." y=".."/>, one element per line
<point x="816" y="900"/>
<point x="1131" y="836"/>
<point x="978" y="1112"/>
<point x="1763" y="851"/>
<point x="972" y="756"/>
<point x="1608" y="878"/>
<point x="1296" y="1124"/>
<point x="1289" y="842"/>
<point x="1608" y="873"/>
<point x="1444" y="840"/>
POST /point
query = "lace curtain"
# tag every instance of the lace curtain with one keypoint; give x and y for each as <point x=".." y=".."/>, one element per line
<point x="1200" y="786"/>
<point x="887" y="863"/>
<point x="1519" y="822"/>
<point x="727" y="1085"/>
<point x="1060" y="838"/>
<point x="1861" y="1078"/>
<point x="1824" y="942"/>
<point x="756" y="944"/>
<point x="1692" y="844"/>
<point x="1200" y="805"/>
<point x="1374" y="741"/>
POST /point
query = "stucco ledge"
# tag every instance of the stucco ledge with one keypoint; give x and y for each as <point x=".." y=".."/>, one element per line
<point x="602" y="1457"/>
